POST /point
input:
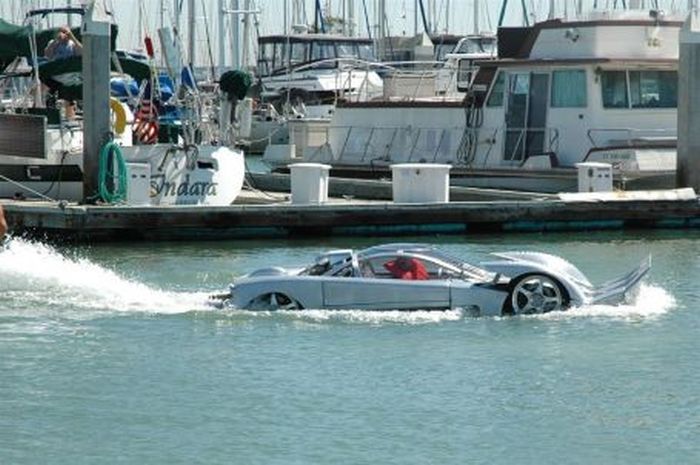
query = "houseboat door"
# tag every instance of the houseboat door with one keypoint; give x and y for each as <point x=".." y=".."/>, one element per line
<point x="526" y="116"/>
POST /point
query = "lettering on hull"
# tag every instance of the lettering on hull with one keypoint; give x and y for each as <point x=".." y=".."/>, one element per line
<point x="182" y="188"/>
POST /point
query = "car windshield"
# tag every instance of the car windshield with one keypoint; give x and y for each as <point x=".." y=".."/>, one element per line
<point x="403" y="261"/>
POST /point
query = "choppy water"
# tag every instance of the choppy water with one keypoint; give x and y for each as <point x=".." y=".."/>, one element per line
<point x="111" y="354"/>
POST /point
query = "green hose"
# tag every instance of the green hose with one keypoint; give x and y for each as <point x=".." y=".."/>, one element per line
<point x="116" y="176"/>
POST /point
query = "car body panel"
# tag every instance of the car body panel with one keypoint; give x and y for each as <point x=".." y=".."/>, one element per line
<point x="385" y="293"/>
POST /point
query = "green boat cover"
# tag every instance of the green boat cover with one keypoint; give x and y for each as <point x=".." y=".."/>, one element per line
<point x="61" y="76"/>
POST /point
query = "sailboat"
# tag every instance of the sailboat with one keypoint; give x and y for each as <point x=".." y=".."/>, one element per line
<point x="41" y="150"/>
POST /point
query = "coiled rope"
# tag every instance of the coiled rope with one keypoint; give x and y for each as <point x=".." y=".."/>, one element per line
<point x="112" y="180"/>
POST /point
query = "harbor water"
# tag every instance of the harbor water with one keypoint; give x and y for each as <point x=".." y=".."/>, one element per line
<point x="112" y="354"/>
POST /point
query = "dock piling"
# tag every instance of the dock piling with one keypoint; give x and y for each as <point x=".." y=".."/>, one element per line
<point x="96" y="68"/>
<point x="688" y="164"/>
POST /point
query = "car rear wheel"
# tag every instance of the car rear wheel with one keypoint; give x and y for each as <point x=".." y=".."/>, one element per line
<point x="536" y="293"/>
<point x="274" y="301"/>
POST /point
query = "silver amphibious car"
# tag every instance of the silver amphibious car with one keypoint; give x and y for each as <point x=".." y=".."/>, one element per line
<point x="422" y="277"/>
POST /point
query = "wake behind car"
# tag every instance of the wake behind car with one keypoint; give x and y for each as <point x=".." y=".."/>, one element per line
<point x="422" y="277"/>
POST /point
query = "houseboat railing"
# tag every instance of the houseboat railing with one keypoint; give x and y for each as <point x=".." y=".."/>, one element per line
<point x="387" y="144"/>
<point x="601" y="137"/>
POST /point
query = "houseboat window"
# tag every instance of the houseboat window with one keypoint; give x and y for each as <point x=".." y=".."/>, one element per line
<point x="299" y="53"/>
<point x="346" y="51"/>
<point x="496" y="97"/>
<point x="569" y="89"/>
<point x="365" y="52"/>
<point x="280" y="59"/>
<point x="653" y="89"/>
<point x="265" y="59"/>
<point x="477" y="45"/>
<point x="441" y="50"/>
<point x="464" y="72"/>
<point x="322" y="51"/>
<point x="614" y="86"/>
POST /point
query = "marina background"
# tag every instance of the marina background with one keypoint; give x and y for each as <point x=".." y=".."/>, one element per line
<point x="138" y="17"/>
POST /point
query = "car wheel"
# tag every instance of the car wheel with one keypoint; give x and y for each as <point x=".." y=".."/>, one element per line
<point x="274" y="301"/>
<point x="536" y="293"/>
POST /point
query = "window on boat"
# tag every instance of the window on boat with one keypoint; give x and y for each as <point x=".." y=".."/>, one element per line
<point x="646" y="89"/>
<point x="322" y="51"/>
<point x="279" y="58"/>
<point x="653" y="89"/>
<point x="477" y="45"/>
<point x="441" y="50"/>
<point x="365" y="52"/>
<point x="265" y="59"/>
<point x="569" y="89"/>
<point x="299" y="53"/>
<point x="614" y="86"/>
<point x="496" y="97"/>
<point x="465" y="70"/>
<point x="346" y="51"/>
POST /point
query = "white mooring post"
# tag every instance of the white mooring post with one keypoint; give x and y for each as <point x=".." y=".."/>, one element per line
<point x="96" y="126"/>
<point x="309" y="183"/>
<point x="595" y="177"/>
<point x="420" y="182"/>
<point x="688" y="164"/>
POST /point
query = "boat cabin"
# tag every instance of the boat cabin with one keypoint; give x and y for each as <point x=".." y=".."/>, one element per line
<point x="278" y="54"/>
<point x="572" y="88"/>
<point x="603" y="89"/>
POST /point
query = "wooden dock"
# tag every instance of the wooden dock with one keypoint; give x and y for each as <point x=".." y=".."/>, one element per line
<point x="85" y="223"/>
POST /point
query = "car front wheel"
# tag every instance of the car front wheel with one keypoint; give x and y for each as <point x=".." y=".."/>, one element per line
<point x="536" y="293"/>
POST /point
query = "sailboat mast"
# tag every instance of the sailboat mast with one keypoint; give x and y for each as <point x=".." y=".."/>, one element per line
<point x="382" y="19"/>
<point x="236" y="33"/>
<point x="246" y="35"/>
<point x="351" y="17"/>
<point x="415" y="17"/>
<point x="191" y="26"/>
<point x="476" y="17"/>
<point x="221" y="22"/>
<point x="447" y="16"/>
<point x="176" y="11"/>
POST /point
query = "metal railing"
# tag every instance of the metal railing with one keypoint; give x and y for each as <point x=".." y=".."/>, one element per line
<point x="550" y="143"/>
<point x="629" y="135"/>
<point x="426" y="70"/>
<point x="369" y="145"/>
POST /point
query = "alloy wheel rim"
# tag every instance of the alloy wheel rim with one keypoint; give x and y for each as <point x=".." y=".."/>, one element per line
<point x="536" y="294"/>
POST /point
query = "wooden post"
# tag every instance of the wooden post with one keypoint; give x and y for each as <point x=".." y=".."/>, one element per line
<point x="688" y="161"/>
<point x="96" y="68"/>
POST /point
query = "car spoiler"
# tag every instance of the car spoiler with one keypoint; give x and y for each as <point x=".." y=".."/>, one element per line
<point x="617" y="290"/>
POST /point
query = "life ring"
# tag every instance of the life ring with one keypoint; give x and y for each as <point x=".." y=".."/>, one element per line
<point x="119" y="124"/>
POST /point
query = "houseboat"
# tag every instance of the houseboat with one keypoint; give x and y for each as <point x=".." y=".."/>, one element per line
<point x="602" y="89"/>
